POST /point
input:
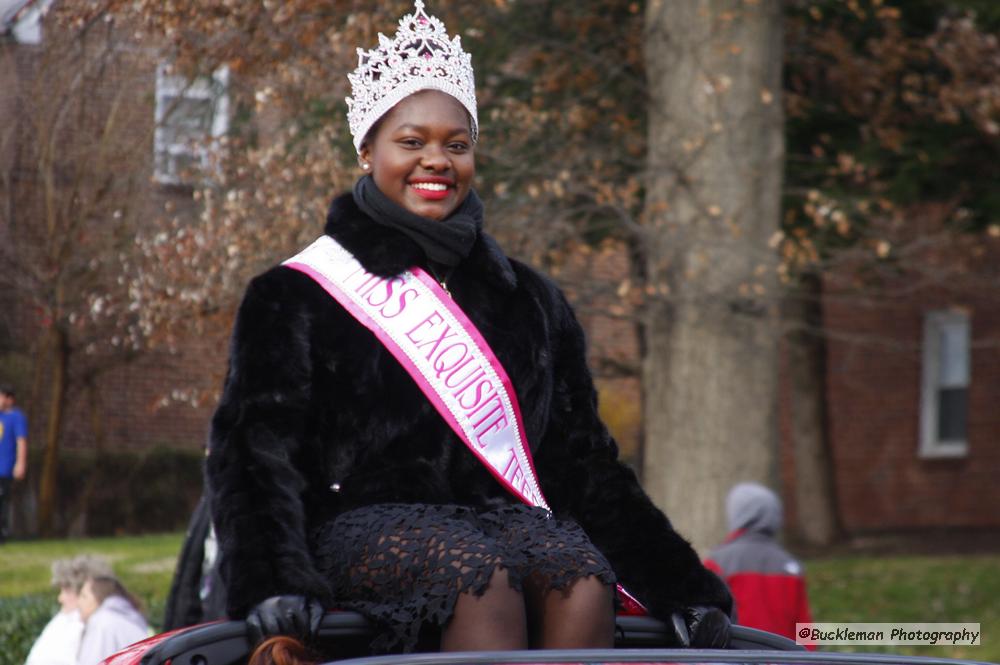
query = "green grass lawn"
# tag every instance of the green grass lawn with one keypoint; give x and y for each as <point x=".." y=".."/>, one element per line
<point x="915" y="589"/>
<point x="949" y="589"/>
<point x="145" y="564"/>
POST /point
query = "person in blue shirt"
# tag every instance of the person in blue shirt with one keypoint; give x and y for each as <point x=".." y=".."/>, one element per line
<point x="13" y="452"/>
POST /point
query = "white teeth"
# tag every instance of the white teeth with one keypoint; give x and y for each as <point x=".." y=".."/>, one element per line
<point x="430" y="186"/>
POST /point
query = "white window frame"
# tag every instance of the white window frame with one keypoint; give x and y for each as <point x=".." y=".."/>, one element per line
<point x="27" y="26"/>
<point x="931" y="446"/>
<point x="171" y="86"/>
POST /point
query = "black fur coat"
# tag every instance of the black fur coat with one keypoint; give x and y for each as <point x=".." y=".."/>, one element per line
<point x="317" y="418"/>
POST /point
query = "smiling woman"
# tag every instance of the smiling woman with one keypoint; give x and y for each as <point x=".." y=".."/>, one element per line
<point x="421" y="154"/>
<point x="430" y="458"/>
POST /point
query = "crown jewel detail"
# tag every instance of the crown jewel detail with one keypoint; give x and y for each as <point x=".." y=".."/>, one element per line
<point x="420" y="57"/>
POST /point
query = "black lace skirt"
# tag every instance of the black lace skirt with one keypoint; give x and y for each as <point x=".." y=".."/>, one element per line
<point x="404" y="565"/>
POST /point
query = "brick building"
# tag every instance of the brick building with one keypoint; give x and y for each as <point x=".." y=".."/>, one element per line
<point x="912" y="383"/>
<point x="912" y="374"/>
<point x="96" y="137"/>
<point x="131" y="109"/>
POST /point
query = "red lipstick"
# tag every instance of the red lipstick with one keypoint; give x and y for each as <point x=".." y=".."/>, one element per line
<point x="432" y="188"/>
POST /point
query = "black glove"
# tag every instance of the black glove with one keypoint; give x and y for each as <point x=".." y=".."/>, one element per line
<point x="677" y="631"/>
<point x="708" y="627"/>
<point x="297" y="616"/>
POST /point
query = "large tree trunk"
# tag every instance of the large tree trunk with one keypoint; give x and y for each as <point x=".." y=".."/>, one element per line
<point x="815" y="499"/>
<point x="712" y="205"/>
<point x="58" y="351"/>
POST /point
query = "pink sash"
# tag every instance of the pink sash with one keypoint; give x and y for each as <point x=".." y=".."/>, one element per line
<point x="447" y="357"/>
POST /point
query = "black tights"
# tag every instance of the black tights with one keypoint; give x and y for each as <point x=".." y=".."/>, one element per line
<point x="450" y="569"/>
<point x="580" y="616"/>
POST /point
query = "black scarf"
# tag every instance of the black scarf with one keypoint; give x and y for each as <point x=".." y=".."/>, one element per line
<point x="447" y="242"/>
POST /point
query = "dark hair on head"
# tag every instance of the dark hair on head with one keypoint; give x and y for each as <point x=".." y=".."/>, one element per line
<point x="283" y="650"/>
<point x="105" y="586"/>
<point x="373" y="130"/>
<point x="7" y="389"/>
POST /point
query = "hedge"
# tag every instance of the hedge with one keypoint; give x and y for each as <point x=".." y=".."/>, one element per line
<point x="21" y="620"/>
<point x="114" y="492"/>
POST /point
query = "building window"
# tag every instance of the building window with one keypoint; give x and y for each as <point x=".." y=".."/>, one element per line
<point x="190" y="116"/>
<point x="23" y="19"/>
<point x="945" y="400"/>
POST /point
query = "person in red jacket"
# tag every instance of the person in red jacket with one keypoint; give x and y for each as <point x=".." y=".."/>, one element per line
<point x="767" y="583"/>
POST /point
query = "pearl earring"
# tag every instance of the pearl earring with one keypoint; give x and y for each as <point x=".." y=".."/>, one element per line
<point x="366" y="166"/>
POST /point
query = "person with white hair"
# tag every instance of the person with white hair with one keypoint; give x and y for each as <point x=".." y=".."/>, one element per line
<point x="768" y="583"/>
<point x="60" y="639"/>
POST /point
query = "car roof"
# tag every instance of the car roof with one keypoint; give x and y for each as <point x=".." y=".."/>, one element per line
<point x="639" y="639"/>
<point x="652" y="657"/>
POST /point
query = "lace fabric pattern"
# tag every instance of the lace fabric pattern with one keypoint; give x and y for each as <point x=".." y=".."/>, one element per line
<point x="405" y="565"/>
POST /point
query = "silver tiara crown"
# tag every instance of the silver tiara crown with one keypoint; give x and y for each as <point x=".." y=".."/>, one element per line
<point x="421" y="57"/>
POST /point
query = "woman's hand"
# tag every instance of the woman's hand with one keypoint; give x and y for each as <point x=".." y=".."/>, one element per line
<point x="284" y="615"/>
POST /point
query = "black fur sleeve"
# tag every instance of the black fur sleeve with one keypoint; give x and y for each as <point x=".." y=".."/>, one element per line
<point x="581" y="474"/>
<point x="256" y="458"/>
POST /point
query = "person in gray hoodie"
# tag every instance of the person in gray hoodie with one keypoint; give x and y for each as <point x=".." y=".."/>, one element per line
<point x="767" y="583"/>
<point x="112" y="619"/>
